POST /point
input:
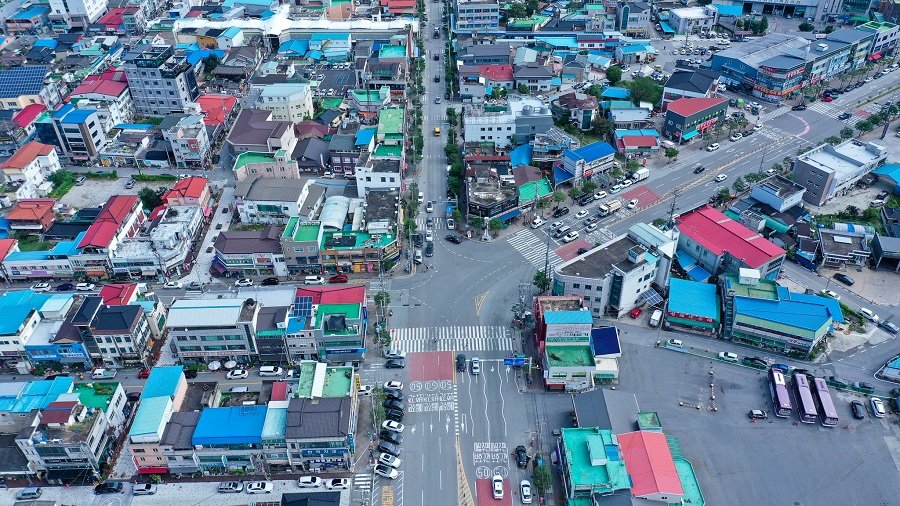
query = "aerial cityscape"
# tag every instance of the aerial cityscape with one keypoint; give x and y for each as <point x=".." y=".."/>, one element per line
<point x="449" y="252"/>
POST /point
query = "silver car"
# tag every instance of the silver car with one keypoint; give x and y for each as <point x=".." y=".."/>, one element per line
<point x="231" y="487"/>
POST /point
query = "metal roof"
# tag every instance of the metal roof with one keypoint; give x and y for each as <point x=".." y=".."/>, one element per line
<point x="203" y="313"/>
<point x="229" y="426"/>
<point x="163" y="381"/>
<point x="567" y="317"/>
<point x="149" y="417"/>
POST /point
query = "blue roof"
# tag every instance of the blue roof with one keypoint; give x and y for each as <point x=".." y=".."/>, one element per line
<point x="666" y="28"/>
<point x="615" y="92"/>
<point x="231" y="32"/>
<point x="294" y="46"/>
<point x="729" y="10"/>
<point x="234" y="425"/>
<point x="25" y="396"/>
<point x="51" y="43"/>
<point x="34" y="10"/>
<point x="330" y="36"/>
<point x="808" y="315"/>
<point x="149" y="415"/>
<point x="23" y="80"/>
<point x="634" y="48"/>
<point x="564" y="317"/>
<point x="314" y="55"/>
<point x="15" y="307"/>
<point x="295" y="325"/>
<point x="605" y="341"/>
<point x="591" y="152"/>
<point x="134" y="126"/>
<point x="565" y="42"/>
<point x="163" y="381"/>
<point x="28" y="255"/>
<point x="833" y="305"/>
<point x="77" y="116"/>
<point x="644" y="131"/>
<point x="560" y="175"/>
<point x="196" y="56"/>
<point x="521" y="155"/>
<point x="265" y="3"/>
<point x="66" y="248"/>
<point x="364" y="136"/>
<point x="693" y="298"/>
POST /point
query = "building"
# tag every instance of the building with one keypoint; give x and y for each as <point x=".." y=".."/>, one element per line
<point x="20" y="398"/>
<point x="57" y="263"/>
<point x="264" y="200"/>
<point x="22" y="311"/>
<point x="160" y="82"/>
<point x="113" y="100"/>
<point x="568" y="363"/>
<point x="536" y="78"/>
<point x="31" y="216"/>
<point x="215" y="329"/>
<point x="188" y="191"/>
<point x="162" y="250"/>
<point x="886" y="248"/>
<point x="650" y="465"/>
<point x="827" y="170"/>
<point x="344" y="153"/>
<point x="700" y="83"/>
<point x="374" y="173"/>
<point x="319" y="432"/>
<point x="78" y="133"/>
<point x="780" y="193"/>
<point x="255" y="131"/>
<point x="250" y="253"/>
<point x="300" y="245"/>
<point x="27" y="20"/>
<point x="122" y="333"/>
<point x="587" y="161"/>
<point x="760" y="313"/>
<point x="692" y="20"/>
<point x="188" y="140"/>
<point x="844" y="247"/>
<point x="476" y="16"/>
<point x="516" y="124"/>
<point x="633" y="18"/>
<point x="65" y="15"/>
<point x="161" y="398"/>
<point x="336" y="316"/>
<point x="30" y="167"/>
<point x="692" y="307"/>
<point x="886" y="37"/>
<point x="717" y="244"/>
<point x="229" y="438"/>
<point x="576" y="108"/>
<point x="121" y="217"/>
<point x="23" y="85"/>
<point x="688" y="117"/>
<point x="593" y="465"/>
<point x="287" y="101"/>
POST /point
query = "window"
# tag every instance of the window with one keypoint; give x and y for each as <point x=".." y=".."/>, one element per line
<point x="576" y="285"/>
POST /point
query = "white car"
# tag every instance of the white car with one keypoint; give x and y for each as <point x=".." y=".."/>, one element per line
<point x="877" y="407"/>
<point x="429" y="236"/>
<point x="391" y="353"/>
<point x="770" y="172"/>
<point x="309" y="482"/>
<point x="497" y="486"/>
<point x="386" y="472"/>
<point x="389" y="460"/>
<point x="616" y="188"/>
<point x="712" y="147"/>
<point x="40" y="287"/>
<point x="632" y="203"/>
<point x="555" y="225"/>
<point x="396" y="385"/>
<point x="144" y="489"/>
<point x="736" y="136"/>
<point x="591" y="227"/>
<point x="244" y="282"/>
<point x="868" y="314"/>
<point x="721" y="177"/>
<point x="392" y="425"/>
<point x="260" y="487"/>
<point x="627" y="182"/>
<point x="237" y="374"/>
<point x="525" y="492"/>
<point x="429" y="207"/>
<point x="581" y="214"/>
<point x="757" y="126"/>
<point x="571" y="236"/>
<point x="172" y="284"/>
<point x="85" y="287"/>
<point x="829" y="293"/>
<point x="451" y="224"/>
<point x="537" y="223"/>
<point x="728" y="356"/>
<point x="600" y="195"/>
<point x="365" y="390"/>
<point x="338" y="484"/>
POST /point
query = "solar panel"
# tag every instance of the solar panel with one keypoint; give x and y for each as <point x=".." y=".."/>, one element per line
<point x="25" y="80"/>
<point x="652" y="297"/>
<point x="302" y="307"/>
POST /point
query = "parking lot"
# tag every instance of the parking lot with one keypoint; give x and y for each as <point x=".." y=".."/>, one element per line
<point x="95" y="192"/>
<point x="774" y="461"/>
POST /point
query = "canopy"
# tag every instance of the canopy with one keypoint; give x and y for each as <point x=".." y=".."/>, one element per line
<point x="690" y="135"/>
<point x="215" y="365"/>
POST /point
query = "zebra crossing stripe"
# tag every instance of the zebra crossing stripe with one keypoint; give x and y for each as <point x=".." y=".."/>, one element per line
<point x="469" y="338"/>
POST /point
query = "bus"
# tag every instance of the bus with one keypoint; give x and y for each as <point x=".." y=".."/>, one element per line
<point x="780" y="398"/>
<point x="827" y="415"/>
<point x="807" y="408"/>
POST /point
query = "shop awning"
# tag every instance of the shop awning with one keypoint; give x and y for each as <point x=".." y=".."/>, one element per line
<point x="875" y="56"/>
<point x="690" y="135"/>
<point x="666" y="28"/>
<point x="72" y="476"/>
<point x="698" y="273"/>
<point x="510" y="215"/>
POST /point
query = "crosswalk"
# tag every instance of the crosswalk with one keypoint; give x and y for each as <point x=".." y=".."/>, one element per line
<point x="362" y="481"/>
<point x="461" y="338"/>
<point x="533" y="248"/>
<point x="439" y="223"/>
<point x="600" y="236"/>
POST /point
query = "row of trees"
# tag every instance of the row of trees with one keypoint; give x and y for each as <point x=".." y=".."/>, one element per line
<point x="757" y="25"/>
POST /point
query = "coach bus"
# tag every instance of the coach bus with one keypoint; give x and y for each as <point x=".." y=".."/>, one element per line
<point x="807" y="408"/>
<point x="780" y="398"/>
<point x="827" y="414"/>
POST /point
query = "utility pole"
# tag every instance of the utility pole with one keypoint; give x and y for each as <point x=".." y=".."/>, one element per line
<point x="671" y="222"/>
<point x="763" y="158"/>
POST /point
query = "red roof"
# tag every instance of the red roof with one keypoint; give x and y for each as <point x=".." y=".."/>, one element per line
<point x="216" y="108"/>
<point x="347" y="294"/>
<point x="31" y="209"/>
<point x="691" y="106"/>
<point x="718" y="233"/>
<point x="641" y="141"/>
<point x="30" y="113"/>
<point x="101" y="87"/>
<point x="58" y="412"/>
<point x="497" y="73"/>
<point x="279" y="391"/>
<point x="113" y="17"/>
<point x="104" y="228"/>
<point x="6" y="245"/>
<point x="649" y="464"/>
<point x="26" y="154"/>
<point x="117" y="294"/>
<point x="189" y="187"/>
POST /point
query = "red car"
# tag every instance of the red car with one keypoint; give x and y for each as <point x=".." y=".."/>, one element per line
<point x="827" y="99"/>
<point x="338" y="278"/>
<point x="144" y="374"/>
<point x="636" y="312"/>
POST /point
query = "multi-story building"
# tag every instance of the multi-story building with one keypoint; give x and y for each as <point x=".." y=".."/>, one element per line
<point x="698" y="83"/>
<point x="287" y="101"/>
<point x="214" y="329"/>
<point x="20" y="313"/>
<point x="32" y="165"/>
<point x="264" y="200"/>
<point x="590" y="160"/>
<point x="377" y="173"/>
<point x="160" y="82"/>
<point x="779" y="193"/>
<point x="67" y="14"/>
<point x="24" y="85"/>
<point x="633" y="18"/>
<point x="271" y="328"/>
<point x="121" y="217"/>
<point x="517" y="124"/>
<point x="537" y="78"/>
<point x="250" y="253"/>
<point x="690" y="20"/>
<point x="886" y="37"/>
<point x="477" y="16"/>
<point x="827" y="170"/>
<point x="164" y="249"/>
<point x="687" y="118"/>
<point x="57" y="263"/>
<point x="161" y="398"/>
<point x="574" y="108"/>
<point x="189" y="191"/>
<point x="78" y="133"/>
<point x="300" y="244"/>
<point x="111" y="98"/>
<point x="31" y="216"/>
<point x="188" y="140"/>
<point x="319" y="432"/>
<point x="121" y="333"/>
<point x="338" y="320"/>
<point x="344" y="153"/>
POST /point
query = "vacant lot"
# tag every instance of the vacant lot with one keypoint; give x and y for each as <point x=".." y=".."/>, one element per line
<point x="95" y="192"/>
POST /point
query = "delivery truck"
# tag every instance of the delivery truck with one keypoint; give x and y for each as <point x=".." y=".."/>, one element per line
<point x="655" y="318"/>
<point x="607" y="208"/>
<point x="640" y="175"/>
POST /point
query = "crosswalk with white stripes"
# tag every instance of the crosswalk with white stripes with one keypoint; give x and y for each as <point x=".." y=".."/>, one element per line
<point x="362" y="481"/>
<point x="600" y="236"/>
<point x="461" y="338"/>
<point x="439" y="223"/>
<point x="533" y="248"/>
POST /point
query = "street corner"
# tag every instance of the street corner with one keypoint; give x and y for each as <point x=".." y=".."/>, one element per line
<point x="644" y="195"/>
<point x="570" y="251"/>
<point x="484" y="493"/>
<point x="430" y="365"/>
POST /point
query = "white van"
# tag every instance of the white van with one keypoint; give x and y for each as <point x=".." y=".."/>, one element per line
<point x="313" y="280"/>
<point x="655" y="318"/>
<point x="270" y="370"/>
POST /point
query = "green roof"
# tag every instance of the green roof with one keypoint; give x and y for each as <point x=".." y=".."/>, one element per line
<point x="692" y="493"/>
<point x="594" y="461"/>
<point x="95" y="395"/>
<point x="535" y="19"/>
<point x="392" y="52"/>
<point x="337" y="380"/>
<point x="569" y="356"/>
<point x="297" y="232"/>
<point x="363" y="240"/>
<point x="351" y="310"/>
<point x="332" y="103"/>
<point x="366" y="96"/>
<point x="389" y="151"/>
<point x="765" y="289"/>
<point x="390" y="121"/>
<point x="875" y="25"/>
<point x="252" y="157"/>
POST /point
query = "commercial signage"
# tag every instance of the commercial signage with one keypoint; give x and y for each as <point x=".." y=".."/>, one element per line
<point x="514" y="361"/>
<point x="691" y="317"/>
<point x="568" y="329"/>
<point x="343" y="351"/>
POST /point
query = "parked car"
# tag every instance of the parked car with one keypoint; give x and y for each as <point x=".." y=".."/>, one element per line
<point x="144" y="489"/>
<point x="394" y="414"/>
<point x="393" y="393"/>
<point x="859" y="411"/>
<point x="877" y="407"/>
<point x="396" y="385"/>
<point x="476" y="366"/>
<point x="40" y="287"/>
<point x="244" y="282"/>
<point x="889" y="327"/>
<point x="712" y="147"/>
<point x="365" y="390"/>
<point x="391" y="436"/>
<point x="85" y="287"/>
<point x="862" y="386"/>
<point x="391" y="353"/>
<point x="65" y="287"/>
<point x="600" y="195"/>
<point x="868" y="314"/>
<point x="728" y="356"/>
<point x="133" y="396"/>
<point x="109" y="487"/>
<point x="270" y="281"/>
<point x="260" y="487"/>
<point x="521" y="457"/>
<point x="237" y="374"/>
<point x="338" y="278"/>
<point x="129" y="184"/>
<point x="144" y="374"/>
<point x="525" y="492"/>
<point x="843" y="278"/>
<point x="389" y="448"/>
<point x="394" y="404"/>
<point x="389" y="460"/>
<point x="386" y="472"/>
<point x="395" y="363"/>
<point x="736" y="137"/>
<point x="309" y="482"/>
<point x="392" y="425"/>
<point x="337" y="484"/>
<point x="460" y="363"/>
<point x="829" y="293"/>
<point x="838" y="381"/>
<point x="758" y="414"/>
<point x="29" y="494"/>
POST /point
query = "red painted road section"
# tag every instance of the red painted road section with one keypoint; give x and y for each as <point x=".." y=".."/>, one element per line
<point x="430" y="365"/>
<point x="862" y="113"/>
<point x="485" y="494"/>
<point x="645" y="196"/>
<point x="570" y="251"/>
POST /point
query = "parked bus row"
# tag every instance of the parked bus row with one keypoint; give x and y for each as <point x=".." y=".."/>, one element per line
<point x="815" y="403"/>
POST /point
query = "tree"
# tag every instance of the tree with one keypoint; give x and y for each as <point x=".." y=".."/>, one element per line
<point x="828" y="29"/>
<point x="495" y="226"/>
<point x="644" y="89"/>
<point x="659" y="223"/>
<point x="589" y="186"/>
<point x="150" y="198"/>
<point x="522" y="88"/>
<point x="778" y="168"/>
<point x="559" y="197"/>
<point x="531" y="6"/>
<point x="614" y="74"/>
<point x="476" y="221"/>
<point x="541" y="281"/>
<point x="516" y="10"/>
<point x="852" y="211"/>
<point x="210" y="63"/>
<point x="574" y="193"/>
<point x="724" y="195"/>
<point x="872" y="215"/>
<point x="632" y="165"/>
<point x="864" y="126"/>
<point x="846" y="133"/>
<point x="764" y="24"/>
<point x="833" y="140"/>
<point x="806" y="27"/>
<point x="671" y="153"/>
<point x="595" y="90"/>
<point x="382" y="299"/>
<point x="457" y="216"/>
<point x="739" y="185"/>
<point x="541" y="479"/>
<point x="602" y="125"/>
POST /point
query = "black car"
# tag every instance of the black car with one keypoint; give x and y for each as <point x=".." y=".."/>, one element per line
<point x="394" y="393"/>
<point x="460" y="363"/>
<point x="560" y="211"/>
<point x="699" y="169"/>
<point x="65" y="287"/>
<point x="521" y="457"/>
<point x="437" y="79"/>
<point x="838" y="381"/>
<point x="755" y="362"/>
<point x="133" y="396"/>
<point x="591" y="220"/>
<point x="429" y="222"/>
<point x="395" y="363"/>
<point x="429" y="249"/>
<point x="799" y="107"/>
<point x="455" y="239"/>
<point x="845" y="115"/>
<point x="882" y="195"/>
<point x="859" y="411"/>
<point x="582" y="251"/>
<point x="391" y="436"/>
<point x="437" y="57"/>
<point x="585" y="199"/>
<point x="270" y="282"/>
<point x="394" y="404"/>
<point x="843" y="278"/>
<point x="195" y="285"/>
<point x="109" y="487"/>
<point x="190" y="373"/>
<point x="419" y="240"/>
<point x="862" y="386"/>
<point x="389" y="448"/>
<point x="394" y="414"/>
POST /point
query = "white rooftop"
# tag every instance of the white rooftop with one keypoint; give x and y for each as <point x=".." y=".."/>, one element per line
<point x="187" y="313"/>
<point x="844" y="160"/>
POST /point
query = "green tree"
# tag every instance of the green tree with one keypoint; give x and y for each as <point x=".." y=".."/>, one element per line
<point x="150" y="198"/>
<point x="382" y="299"/>
<point x="589" y="186"/>
<point x="595" y="90"/>
<point x="852" y="211"/>
<point x="764" y="24"/>
<point x="806" y="27"/>
<point x="846" y="133"/>
<point x="671" y="154"/>
<point x="632" y="165"/>
<point x="659" y="223"/>
<point x="602" y="125"/>
<point x="516" y="10"/>
<point x="739" y="185"/>
<point x="409" y="226"/>
<point x="541" y="479"/>
<point x="778" y="168"/>
<point x="531" y="6"/>
<point x="614" y="74"/>
<point x="495" y="226"/>
<point x="559" y="197"/>
<point x="541" y="281"/>
<point x="828" y="29"/>
<point x="210" y="63"/>
<point x="644" y="89"/>
<point x="476" y="221"/>
<point x="833" y="140"/>
<point x="522" y="88"/>
<point x="457" y="216"/>
<point x="724" y="195"/>
<point x="574" y="193"/>
<point x="864" y="126"/>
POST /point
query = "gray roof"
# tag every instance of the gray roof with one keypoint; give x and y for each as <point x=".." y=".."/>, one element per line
<point x="311" y="498"/>
<point x="608" y="409"/>
<point x="179" y="432"/>
<point x="753" y="52"/>
<point x="88" y="309"/>
<point x="311" y="151"/>
<point x="533" y="72"/>
<point x="847" y="35"/>
<point x="254" y="241"/>
<point x="263" y="189"/>
<point x="11" y="459"/>
<point x="313" y="196"/>
<point x="343" y="142"/>
<point x="116" y="318"/>
<point x="328" y="417"/>
<point x="696" y="81"/>
<point x="252" y="127"/>
<point x="485" y="50"/>
<point x="269" y="317"/>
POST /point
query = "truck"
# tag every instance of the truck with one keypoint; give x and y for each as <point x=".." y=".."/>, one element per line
<point x="100" y="374"/>
<point x="610" y="207"/>
<point x="640" y="175"/>
<point x="655" y="318"/>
